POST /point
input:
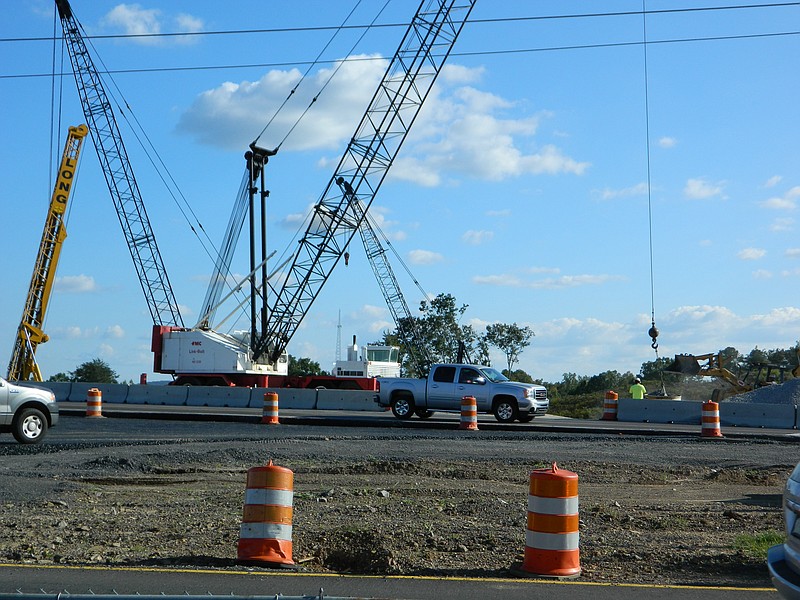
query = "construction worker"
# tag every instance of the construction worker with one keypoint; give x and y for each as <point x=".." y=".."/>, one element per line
<point x="637" y="390"/>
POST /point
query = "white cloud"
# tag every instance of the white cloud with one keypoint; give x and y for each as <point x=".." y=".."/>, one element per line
<point x="132" y="19"/>
<point x="75" y="284"/>
<point x="667" y="142"/>
<point x="776" y="203"/>
<point x="424" y="257"/>
<point x="476" y="238"/>
<point x="700" y="189"/>
<point x="792" y="252"/>
<point x="640" y="189"/>
<point x="573" y="345"/>
<point x="372" y="311"/>
<point x="569" y="281"/>
<point x="458" y="74"/>
<point x="751" y="253"/>
<point x="564" y="281"/>
<point x="504" y="212"/>
<point x="773" y="181"/>
<point x="460" y="130"/>
<point x="231" y="114"/>
<point x="505" y="280"/>
<point x="782" y="224"/>
<point x="762" y="274"/>
<point x="115" y="331"/>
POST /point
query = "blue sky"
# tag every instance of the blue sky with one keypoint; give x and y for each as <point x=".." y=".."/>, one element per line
<point x="522" y="189"/>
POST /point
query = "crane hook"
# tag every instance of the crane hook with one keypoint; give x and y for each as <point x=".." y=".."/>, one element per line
<point x="653" y="333"/>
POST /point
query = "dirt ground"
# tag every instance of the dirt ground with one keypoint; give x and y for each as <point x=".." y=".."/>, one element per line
<point x="672" y="512"/>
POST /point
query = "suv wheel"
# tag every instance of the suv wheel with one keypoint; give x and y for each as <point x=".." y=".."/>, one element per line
<point x="403" y="407"/>
<point x="29" y="427"/>
<point x="505" y="411"/>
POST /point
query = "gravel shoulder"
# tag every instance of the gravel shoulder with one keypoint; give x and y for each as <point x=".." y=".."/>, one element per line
<point x="652" y="510"/>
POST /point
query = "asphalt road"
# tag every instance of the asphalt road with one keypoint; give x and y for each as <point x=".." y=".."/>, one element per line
<point x="38" y="580"/>
<point x="385" y="419"/>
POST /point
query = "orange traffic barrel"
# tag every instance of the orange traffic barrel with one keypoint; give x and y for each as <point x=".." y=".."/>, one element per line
<point x="469" y="413"/>
<point x="551" y="539"/>
<point x="265" y="535"/>
<point x="269" y="414"/>
<point x="710" y="420"/>
<point x="610" y="406"/>
<point x="94" y="403"/>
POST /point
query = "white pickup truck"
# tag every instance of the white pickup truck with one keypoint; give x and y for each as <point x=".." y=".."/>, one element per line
<point x="26" y="411"/>
<point x="447" y="384"/>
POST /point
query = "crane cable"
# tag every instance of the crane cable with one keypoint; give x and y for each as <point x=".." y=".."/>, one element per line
<point x="311" y="65"/>
<point x="334" y="72"/>
<point x="653" y="331"/>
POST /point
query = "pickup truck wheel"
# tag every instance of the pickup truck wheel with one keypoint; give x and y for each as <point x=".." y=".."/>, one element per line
<point x="403" y="407"/>
<point x="505" y="411"/>
<point x="29" y="427"/>
<point x="423" y="413"/>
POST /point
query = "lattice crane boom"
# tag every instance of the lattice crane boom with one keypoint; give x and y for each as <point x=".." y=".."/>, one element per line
<point x="119" y="175"/>
<point x="22" y="366"/>
<point x="369" y="155"/>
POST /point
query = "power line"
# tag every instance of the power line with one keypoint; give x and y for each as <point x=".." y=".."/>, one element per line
<point x="273" y="65"/>
<point x="390" y="25"/>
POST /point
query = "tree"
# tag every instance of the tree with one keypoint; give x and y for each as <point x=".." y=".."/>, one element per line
<point x="62" y="377"/>
<point x="510" y="339"/>
<point x="304" y="366"/>
<point x="518" y="375"/>
<point x="439" y="332"/>
<point x="94" y="371"/>
<point x="481" y="355"/>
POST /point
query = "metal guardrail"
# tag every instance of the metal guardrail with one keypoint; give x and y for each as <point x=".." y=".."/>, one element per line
<point x="91" y="596"/>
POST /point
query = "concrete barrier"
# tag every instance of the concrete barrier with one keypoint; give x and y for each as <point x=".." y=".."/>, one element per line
<point x="287" y="398"/>
<point x="170" y="395"/>
<point x="685" y="412"/>
<point x="347" y="400"/>
<point x="61" y="389"/>
<point x="752" y="414"/>
<point x="218" y="396"/>
<point x="113" y="393"/>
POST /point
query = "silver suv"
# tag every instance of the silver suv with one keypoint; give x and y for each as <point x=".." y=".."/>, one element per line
<point x="27" y="412"/>
<point x="784" y="559"/>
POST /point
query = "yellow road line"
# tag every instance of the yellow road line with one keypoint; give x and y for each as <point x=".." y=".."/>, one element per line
<point x="283" y="573"/>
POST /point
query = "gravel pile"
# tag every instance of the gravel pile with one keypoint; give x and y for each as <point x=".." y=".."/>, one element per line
<point x="779" y="393"/>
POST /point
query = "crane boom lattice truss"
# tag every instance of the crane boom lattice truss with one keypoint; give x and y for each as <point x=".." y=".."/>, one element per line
<point x="22" y="366"/>
<point x="119" y="176"/>
<point x="407" y="329"/>
<point x="363" y="167"/>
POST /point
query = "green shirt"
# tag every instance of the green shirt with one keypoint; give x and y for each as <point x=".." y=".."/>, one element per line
<point x="637" y="391"/>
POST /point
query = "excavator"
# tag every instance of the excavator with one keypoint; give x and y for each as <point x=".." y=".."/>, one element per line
<point x="23" y="366"/>
<point x="714" y="365"/>
<point x="200" y="355"/>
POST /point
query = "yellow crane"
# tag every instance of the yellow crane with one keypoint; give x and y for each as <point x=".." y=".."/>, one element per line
<point x="22" y="366"/>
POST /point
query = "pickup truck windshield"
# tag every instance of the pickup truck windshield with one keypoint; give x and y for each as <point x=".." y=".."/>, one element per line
<point x="493" y="376"/>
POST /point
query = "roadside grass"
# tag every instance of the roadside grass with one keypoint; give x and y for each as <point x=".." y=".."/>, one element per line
<point x="578" y="406"/>
<point x="756" y="545"/>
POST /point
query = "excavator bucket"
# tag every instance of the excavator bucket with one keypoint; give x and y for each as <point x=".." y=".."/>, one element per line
<point x="686" y="364"/>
